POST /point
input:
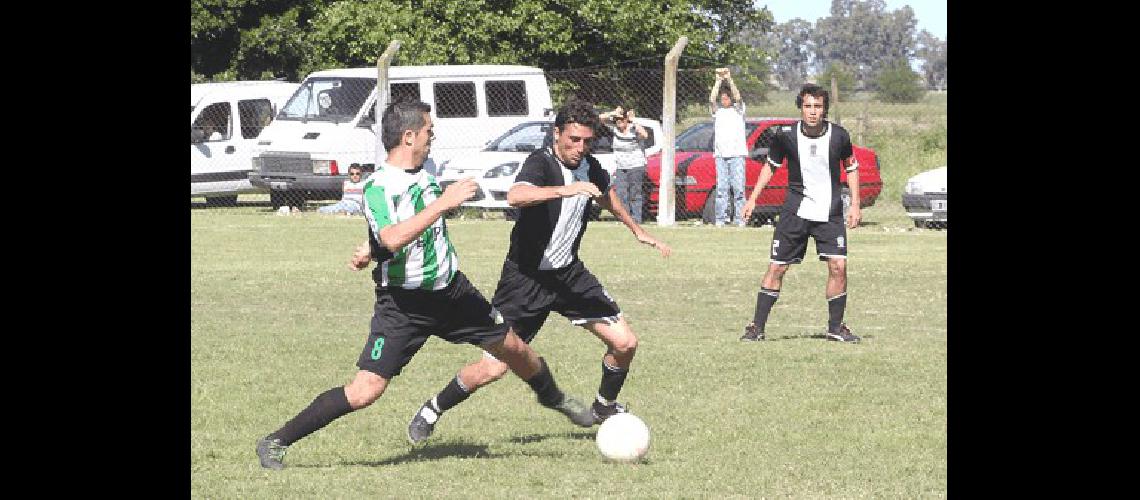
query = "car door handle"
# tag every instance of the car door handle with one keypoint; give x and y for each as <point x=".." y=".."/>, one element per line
<point x="230" y="149"/>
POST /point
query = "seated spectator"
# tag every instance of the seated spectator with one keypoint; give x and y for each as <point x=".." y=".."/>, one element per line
<point x="352" y="201"/>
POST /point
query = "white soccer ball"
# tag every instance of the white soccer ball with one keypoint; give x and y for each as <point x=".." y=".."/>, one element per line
<point x="623" y="438"/>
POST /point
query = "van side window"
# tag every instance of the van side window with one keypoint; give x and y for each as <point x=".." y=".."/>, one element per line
<point x="455" y="100"/>
<point x="506" y="98"/>
<point x="403" y="91"/>
<point x="255" y="114"/>
<point x="214" y="122"/>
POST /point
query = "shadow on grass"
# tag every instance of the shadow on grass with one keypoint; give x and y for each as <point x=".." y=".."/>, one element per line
<point x="431" y="452"/>
<point x="535" y="438"/>
<point x="816" y="336"/>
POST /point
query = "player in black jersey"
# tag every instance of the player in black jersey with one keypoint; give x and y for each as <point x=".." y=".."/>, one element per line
<point x="815" y="150"/>
<point x="554" y="190"/>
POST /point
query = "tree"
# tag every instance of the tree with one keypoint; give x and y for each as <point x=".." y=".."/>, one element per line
<point x="790" y="47"/>
<point x="864" y="36"/>
<point x="932" y="51"/>
<point x="254" y="38"/>
<point x="898" y="83"/>
<point x="844" y="77"/>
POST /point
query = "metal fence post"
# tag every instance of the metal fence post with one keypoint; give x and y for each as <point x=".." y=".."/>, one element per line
<point x="666" y="205"/>
<point x="834" y="104"/>
<point x="382" y="96"/>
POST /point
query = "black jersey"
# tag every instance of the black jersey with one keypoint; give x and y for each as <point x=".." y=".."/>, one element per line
<point x="547" y="235"/>
<point x="813" y="169"/>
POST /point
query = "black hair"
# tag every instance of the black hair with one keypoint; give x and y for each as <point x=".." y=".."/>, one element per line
<point x="400" y="116"/>
<point x="580" y="112"/>
<point x="815" y="91"/>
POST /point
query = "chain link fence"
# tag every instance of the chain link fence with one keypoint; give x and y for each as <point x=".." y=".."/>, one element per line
<point x="906" y="138"/>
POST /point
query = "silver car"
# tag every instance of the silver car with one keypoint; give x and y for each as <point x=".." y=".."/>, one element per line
<point x="924" y="198"/>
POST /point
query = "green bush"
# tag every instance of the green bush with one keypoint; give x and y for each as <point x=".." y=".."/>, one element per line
<point x="898" y="83"/>
<point x="844" y="77"/>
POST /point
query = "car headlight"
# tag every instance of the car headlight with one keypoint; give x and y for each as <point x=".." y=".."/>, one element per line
<point x="913" y="187"/>
<point x="504" y="170"/>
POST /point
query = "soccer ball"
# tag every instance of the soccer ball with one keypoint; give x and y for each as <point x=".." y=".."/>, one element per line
<point x="623" y="438"/>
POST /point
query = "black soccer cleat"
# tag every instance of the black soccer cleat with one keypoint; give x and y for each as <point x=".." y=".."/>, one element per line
<point x="842" y="334"/>
<point x="576" y="411"/>
<point x="271" y="452"/>
<point x="752" y="334"/>
<point x="602" y="411"/>
<point x="422" y="424"/>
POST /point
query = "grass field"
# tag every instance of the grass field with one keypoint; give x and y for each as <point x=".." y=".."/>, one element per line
<point x="277" y="318"/>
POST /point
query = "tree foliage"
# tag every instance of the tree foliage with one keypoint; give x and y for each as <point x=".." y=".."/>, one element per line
<point x="865" y="37"/>
<point x="790" y="48"/>
<point x="253" y="39"/>
<point x="898" y="83"/>
<point x="842" y="73"/>
<point x="932" y="51"/>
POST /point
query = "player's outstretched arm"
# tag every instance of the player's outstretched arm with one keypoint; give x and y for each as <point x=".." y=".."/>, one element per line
<point x="525" y="195"/>
<point x="612" y="203"/>
<point x="398" y="235"/>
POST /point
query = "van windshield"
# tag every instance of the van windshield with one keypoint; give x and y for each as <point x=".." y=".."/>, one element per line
<point x="328" y="99"/>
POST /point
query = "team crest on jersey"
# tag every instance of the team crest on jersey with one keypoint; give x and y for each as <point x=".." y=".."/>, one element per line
<point x="496" y="316"/>
<point x="840" y="241"/>
<point x="813" y="149"/>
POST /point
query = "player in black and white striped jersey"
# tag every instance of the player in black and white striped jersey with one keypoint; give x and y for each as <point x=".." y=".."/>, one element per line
<point x="816" y="150"/>
<point x="554" y="190"/>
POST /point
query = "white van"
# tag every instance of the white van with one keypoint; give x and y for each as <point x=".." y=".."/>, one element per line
<point x="330" y="123"/>
<point x="225" y="120"/>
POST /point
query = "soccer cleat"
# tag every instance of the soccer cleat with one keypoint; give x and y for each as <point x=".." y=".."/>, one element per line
<point x="271" y="452"/>
<point x="751" y="333"/>
<point x="576" y="411"/>
<point x="843" y="334"/>
<point x="422" y="424"/>
<point x="603" y="411"/>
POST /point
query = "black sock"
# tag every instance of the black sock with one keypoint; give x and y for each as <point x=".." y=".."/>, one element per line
<point x="613" y="378"/>
<point x="542" y="383"/>
<point x="450" y="396"/>
<point x="765" y="299"/>
<point x="329" y="406"/>
<point x="835" y="307"/>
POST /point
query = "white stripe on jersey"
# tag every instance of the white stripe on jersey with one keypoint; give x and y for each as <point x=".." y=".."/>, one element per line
<point x="558" y="251"/>
<point x="814" y="152"/>
<point x="397" y="181"/>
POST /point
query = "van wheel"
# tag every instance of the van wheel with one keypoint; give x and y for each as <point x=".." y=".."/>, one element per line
<point x="221" y="201"/>
<point x="278" y="199"/>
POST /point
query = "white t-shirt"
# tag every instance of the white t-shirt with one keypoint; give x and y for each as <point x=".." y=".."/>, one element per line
<point x="354" y="191"/>
<point x="627" y="150"/>
<point x="728" y="131"/>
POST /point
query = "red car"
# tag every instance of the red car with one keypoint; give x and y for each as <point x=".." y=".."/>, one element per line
<point x="695" y="176"/>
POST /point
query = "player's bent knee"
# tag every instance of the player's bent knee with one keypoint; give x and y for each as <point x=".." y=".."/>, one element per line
<point x="365" y="389"/>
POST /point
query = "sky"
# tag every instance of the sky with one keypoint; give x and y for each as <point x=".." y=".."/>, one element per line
<point x="931" y="14"/>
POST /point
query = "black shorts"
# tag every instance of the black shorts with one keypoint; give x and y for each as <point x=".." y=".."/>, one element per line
<point x="789" y="240"/>
<point x="403" y="320"/>
<point x="526" y="299"/>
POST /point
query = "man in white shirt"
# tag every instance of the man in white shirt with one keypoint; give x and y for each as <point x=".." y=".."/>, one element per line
<point x="728" y="146"/>
<point x="352" y="197"/>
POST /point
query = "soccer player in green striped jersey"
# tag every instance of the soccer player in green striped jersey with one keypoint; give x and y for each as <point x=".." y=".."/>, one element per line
<point x="420" y="290"/>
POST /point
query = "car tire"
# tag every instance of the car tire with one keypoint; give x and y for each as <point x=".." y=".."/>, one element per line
<point x="708" y="213"/>
<point x="278" y="199"/>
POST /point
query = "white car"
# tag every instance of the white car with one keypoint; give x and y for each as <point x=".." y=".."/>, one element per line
<point x="495" y="167"/>
<point x="924" y="198"/>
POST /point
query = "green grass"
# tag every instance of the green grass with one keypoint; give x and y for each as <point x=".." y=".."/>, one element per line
<point x="277" y="318"/>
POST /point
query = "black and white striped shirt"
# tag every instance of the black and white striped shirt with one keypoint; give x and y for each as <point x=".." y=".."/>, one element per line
<point x="547" y="235"/>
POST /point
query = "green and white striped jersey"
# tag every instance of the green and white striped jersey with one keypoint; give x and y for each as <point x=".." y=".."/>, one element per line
<point x="429" y="262"/>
